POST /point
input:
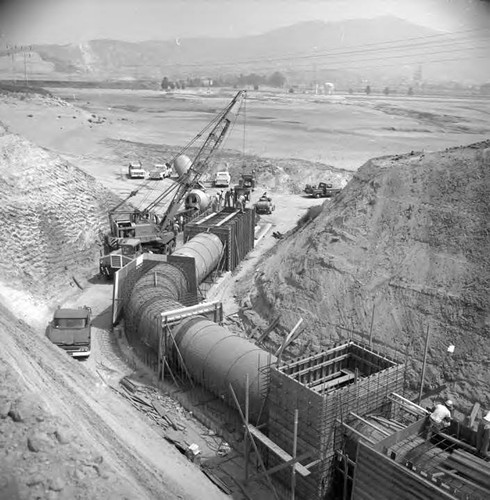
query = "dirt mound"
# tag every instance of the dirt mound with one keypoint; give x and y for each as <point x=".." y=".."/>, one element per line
<point x="53" y="215"/>
<point x="409" y="237"/>
<point x="280" y="175"/>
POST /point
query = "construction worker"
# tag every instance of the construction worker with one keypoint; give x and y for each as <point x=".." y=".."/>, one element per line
<point x="483" y="436"/>
<point x="220" y="199"/>
<point x="440" y="418"/>
<point x="241" y="203"/>
<point x="227" y="198"/>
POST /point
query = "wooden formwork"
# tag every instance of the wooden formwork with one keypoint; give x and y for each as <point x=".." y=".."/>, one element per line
<point x="324" y="388"/>
<point x="234" y="228"/>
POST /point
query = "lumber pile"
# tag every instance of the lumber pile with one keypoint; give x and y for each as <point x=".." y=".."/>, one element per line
<point x="162" y="410"/>
<point x="472" y="468"/>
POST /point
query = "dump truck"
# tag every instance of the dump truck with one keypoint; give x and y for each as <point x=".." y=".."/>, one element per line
<point x="129" y="249"/>
<point x="323" y="190"/>
<point x="247" y="181"/>
<point x="70" y="329"/>
<point x="136" y="171"/>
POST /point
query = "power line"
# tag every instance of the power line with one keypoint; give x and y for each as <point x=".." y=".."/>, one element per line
<point x="345" y="51"/>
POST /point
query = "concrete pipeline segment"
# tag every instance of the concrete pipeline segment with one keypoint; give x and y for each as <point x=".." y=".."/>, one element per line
<point x="213" y="356"/>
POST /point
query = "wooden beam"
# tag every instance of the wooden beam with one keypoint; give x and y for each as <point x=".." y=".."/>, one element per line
<point x="334" y="383"/>
<point x="268" y="330"/>
<point x="324" y="379"/>
<point x="356" y="432"/>
<point x="320" y="365"/>
<point x="288" y="339"/>
<point x="315" y="356"/>
<point x="473" y="414"/>
<point x="276" y="449"/>
<point x="370" y="424"/>
<point x="279" y="467"/>
<point x="259" y="456"/>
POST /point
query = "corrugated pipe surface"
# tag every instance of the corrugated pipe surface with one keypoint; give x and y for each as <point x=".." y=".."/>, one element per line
<point x="157" y="291"/>
<point x="216" y="358"/>
<point x="206" y="248"/>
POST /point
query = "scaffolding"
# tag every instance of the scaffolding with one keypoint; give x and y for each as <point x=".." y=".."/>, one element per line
<point x="323" y="389"/>
<point x="400" y="459"/>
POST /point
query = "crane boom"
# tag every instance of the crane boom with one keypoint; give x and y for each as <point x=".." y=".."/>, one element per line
<point x="200" y="162"/>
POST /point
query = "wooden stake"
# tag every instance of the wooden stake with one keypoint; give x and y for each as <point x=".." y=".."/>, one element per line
<point x="426" y="349"/>
<point x="288" y="339"/>
<point x="295" y="445"/>
<point x="245" y="437"/>
<point x="259" y="456"/>
<point x="371" y="328"/>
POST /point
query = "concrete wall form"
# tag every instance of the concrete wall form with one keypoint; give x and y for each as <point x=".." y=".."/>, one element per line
<point x="319" y="412"/>
<point x="235" y="230"/>
<point x="378" y="476"/>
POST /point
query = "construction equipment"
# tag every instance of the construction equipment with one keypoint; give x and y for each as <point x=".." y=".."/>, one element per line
<point x="70" y="330"/>
<point x="264" y="205"/>
<point x="323" y="190"/>
<point x="129" y="249"/>
<point x="157" y="233"/>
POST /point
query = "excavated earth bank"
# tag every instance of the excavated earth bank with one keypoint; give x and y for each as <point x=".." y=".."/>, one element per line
<point x="408" y="236"/>
<point x="53" y="217"/>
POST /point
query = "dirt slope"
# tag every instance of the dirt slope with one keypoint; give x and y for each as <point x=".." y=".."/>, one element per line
<point x="52" y="217"/>
<point x="65" y="434"/>
<point x="408" y="236"/>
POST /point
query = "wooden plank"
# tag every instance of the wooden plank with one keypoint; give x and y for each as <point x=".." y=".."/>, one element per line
<point x="464" y="480"/>
<point x="299" y="362"/>
<point x="320" y="365"/>
<point x="473" y="414"/>
<point x="288" y="339"/>
<point x="370" y="424"/>
<point x="276" y="449"/>
<point x="334" y="383"/>
<point x="324" y="379"/>
<point x="268" y="330"/>
<point x="283" y="465"/>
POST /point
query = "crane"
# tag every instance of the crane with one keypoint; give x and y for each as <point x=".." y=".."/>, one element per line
<point x="156" y="232"/>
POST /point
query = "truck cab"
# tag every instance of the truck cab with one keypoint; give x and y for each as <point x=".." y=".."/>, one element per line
<point x="129" y="249"/>
<point x="70" y="329"/>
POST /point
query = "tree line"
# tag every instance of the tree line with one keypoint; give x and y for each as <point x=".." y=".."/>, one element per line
<point x="276" y="79"/>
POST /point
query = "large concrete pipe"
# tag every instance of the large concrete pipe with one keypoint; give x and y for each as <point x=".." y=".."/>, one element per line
<point x="158" y="290"/>
<point x="182" y="164"/>
<point x="206" y="249"/>
<point x="215" y="358"/>
<point x="197" y="199"/>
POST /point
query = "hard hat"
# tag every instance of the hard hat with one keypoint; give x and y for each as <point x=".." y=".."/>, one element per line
<point x="449" y="404"/>
<point x="487" y="417"/>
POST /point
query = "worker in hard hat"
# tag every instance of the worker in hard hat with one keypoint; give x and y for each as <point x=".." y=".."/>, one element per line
<point x="483" y="436"/>
<point x="440" y="418"/>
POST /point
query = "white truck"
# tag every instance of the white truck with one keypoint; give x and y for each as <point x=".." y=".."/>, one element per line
<point x="136" y="170"/>
<point x="222" y="179"/>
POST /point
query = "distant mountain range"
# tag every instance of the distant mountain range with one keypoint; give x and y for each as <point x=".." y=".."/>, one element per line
<point x="353" y="50"/>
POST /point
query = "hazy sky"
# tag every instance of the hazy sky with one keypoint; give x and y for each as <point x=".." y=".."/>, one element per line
<point x="65" y="21"/>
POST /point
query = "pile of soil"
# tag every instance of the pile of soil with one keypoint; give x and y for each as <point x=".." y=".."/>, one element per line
<point x="409" y="238"/>
<point x="53" y="218"/>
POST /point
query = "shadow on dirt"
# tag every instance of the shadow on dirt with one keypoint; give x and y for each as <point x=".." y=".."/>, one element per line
<point x="103" y="320"/>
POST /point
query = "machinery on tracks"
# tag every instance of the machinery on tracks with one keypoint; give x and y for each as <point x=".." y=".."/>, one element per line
<point x="157" y="232"/>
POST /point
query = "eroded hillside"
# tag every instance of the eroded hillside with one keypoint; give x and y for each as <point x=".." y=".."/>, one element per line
<point x="53" y="215"/>
<point x="409" y="237"/>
